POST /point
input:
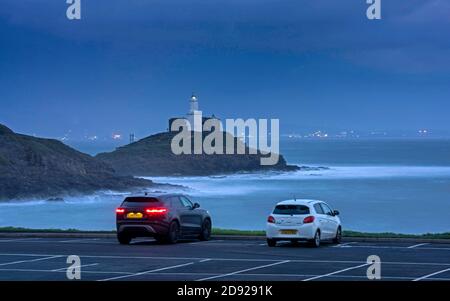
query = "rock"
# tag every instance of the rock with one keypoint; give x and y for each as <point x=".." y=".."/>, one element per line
<point x="152" y="156"/>
<point x="313" y="168"/>
<point x="55" y="200"/>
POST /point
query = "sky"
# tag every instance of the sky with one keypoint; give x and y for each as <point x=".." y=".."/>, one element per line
<point x="129" y="65"/>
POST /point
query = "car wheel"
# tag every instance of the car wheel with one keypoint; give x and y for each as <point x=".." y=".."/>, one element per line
<point x="123" y="239"/>
<point x="174" y="233"/>
<point x="271" y="242"/>
<point x="206" y="230"/>
<point x="338" y="238"/>
<point x="316" y="241"/>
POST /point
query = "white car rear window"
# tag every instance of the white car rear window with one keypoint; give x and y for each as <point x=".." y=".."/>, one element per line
<point x="291" y="209"/>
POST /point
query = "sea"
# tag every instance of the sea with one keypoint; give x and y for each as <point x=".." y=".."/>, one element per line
<point x="378" y="185"/>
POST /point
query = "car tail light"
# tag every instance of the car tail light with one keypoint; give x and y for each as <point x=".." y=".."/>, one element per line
<point x="308" y="219"/>
<point x="156" y="211"/>
<point x="120" y="210"/>
<point x="271" y="219"/>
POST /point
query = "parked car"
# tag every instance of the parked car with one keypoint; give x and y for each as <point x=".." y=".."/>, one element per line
<point x="303" y="220"/>
<point x="166" y="217"/>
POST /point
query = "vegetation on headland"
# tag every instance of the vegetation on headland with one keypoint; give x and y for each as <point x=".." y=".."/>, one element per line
<point x="39" y="168"/>
<point x="153" y="156"/>
<point x="216" y="231"/>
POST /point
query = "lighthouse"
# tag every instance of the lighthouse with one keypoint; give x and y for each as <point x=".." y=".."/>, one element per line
<point x="193" y="103"/>
<point x="194" y="116"/>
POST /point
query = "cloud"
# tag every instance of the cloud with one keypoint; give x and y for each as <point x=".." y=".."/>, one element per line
<point x="413" y="35"/>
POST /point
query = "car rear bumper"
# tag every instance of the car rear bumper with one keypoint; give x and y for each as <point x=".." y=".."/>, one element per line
<point x="142" y="229"/>
<point x="303" y="232"/>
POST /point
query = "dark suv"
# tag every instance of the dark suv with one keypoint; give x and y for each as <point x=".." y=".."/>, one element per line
<point x="166" y="217"/>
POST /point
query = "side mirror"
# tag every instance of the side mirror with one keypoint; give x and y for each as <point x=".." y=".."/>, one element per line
<point x="335" y="212"/>
<point x="196" y="205"/>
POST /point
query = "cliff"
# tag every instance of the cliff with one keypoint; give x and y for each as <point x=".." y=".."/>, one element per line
<point x="36" y="167"/>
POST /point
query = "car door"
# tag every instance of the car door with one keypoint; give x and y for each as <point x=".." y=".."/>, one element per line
<point x="192" y="218"/>
<point x="323" y="220"/>
<point x="332" y="224"/>
<point x="181" y="212"/>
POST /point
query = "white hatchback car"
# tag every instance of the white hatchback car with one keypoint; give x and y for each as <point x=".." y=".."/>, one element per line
<point x="303" y="220"/>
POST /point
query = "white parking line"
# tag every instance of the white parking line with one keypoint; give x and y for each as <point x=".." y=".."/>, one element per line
<point x="79" y="240"/>
<point x="418" y="245"/>
<point x="74" y="267"/>
<point x="347" y="244"/>
<point x="394" y="247"/>
<point x="40" y="241"/>
<point x="205" y="260"/>
<point x="147" y="272"/>
<point x="142" y="241"/>
<point x="337" y="272"/>
<point x="202" y="242"/>
<point x="31" y="260"/>
<point x="19" y="239"/>
<point x="227" y="259"/>
<point x="212" y="242"/>
<point x="63" y="271"/>
<point x="431" y="275"/>
<point x="207" y="274"/>
<point x="242" y="271"/>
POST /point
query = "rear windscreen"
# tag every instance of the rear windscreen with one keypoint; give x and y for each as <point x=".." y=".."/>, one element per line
<point x="291" y="209"/>
<point x="140" y="200"/>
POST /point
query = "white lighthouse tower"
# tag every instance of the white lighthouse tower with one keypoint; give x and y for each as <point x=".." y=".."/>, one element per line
<point x="194" y="116"/>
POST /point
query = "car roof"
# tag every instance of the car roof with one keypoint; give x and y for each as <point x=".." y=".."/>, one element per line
<point x="157" y="195"/>
<point x="299" y="202"/>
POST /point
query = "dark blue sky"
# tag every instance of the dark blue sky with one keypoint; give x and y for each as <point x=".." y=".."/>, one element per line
<point x="129" y="65"/>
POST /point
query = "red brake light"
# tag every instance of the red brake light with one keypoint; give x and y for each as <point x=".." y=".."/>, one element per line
<point x="156" y="210"/>
<point x="308" y="219"/>
<point x="271" y="219"/>
<point x="120" y="210"/>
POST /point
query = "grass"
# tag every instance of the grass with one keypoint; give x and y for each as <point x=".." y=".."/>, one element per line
<point x="444" y="235"/>
<point x="216" y="231"/>
<point x="28" y="230"/>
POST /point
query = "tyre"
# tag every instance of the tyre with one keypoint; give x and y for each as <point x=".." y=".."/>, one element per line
<point x="174" y="233"/>
<point x="123" y="239"/>
<point x="338" y="238"/>
<point x="206" y="230"/>
<point x="271" y="242"/>
<point x="315" y="242"/>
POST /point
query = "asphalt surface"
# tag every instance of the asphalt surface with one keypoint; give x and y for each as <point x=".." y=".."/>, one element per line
<point x="219" y="260"/>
